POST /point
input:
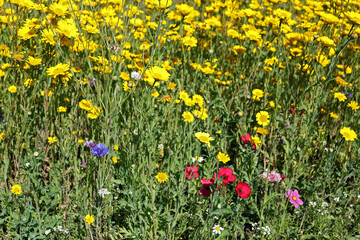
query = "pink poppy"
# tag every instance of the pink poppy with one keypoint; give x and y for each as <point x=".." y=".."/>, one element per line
<point x="243" y="190"/>
<point x="191" y="171"/>
<point x="294" y="197"/>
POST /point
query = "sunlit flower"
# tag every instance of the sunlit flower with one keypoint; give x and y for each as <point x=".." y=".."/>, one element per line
<point x="188" y="117"/>
<point x="16" y="189"/>
<point x="217" y="229"/>
<point x="222" y="157"/>
<point x="12" y="89"/>
<point x="348" y="134"/>
<point x="162" y="177"/>
<point x="263" y="118"/>
<point x="340" y="96"/>
<point x="52" y="139"/>
<point x="89" y="219"/>
<point x="204" y="137"/>
<point x="294" y="197"/>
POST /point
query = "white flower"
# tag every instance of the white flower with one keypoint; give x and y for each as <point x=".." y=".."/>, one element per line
<point x="103" y="192"/>
<point x="345" y="194"/>
<point x="217" y="229"/>
<point x="337" y="199"/>
<point x="197" y="159"/>
<point x="27" y="164"/>
<point x="136" y="76"/>
<point x="135" y="132"/>
<point x="313" y="204"/>
<point x="160" y="146"/>
<point x="47" y="232"/>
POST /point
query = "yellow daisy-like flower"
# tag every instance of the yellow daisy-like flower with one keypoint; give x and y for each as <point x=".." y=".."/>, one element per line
<point x="334" y="115"/>
<point x="114" y="159"/>
<point x="158" y="74"/>
<point x="189" y="41"/>
<point x="263" y="118"/>
<point x="34" y="61"/>
<point x="222" y="157"/>
<point x="261" y="130"/>
<point x="12" y="89"/>
<point x="60" y="69"/>
<point x="353" y="105"/>
<point x="162" y="177"/>
<point x="116" y="147"/>
<point x="204" y="137"/>
<point x="61" y="109"/>
<point x="348" y="134"/>
<point x="52" y="139"/>
<point x="16" y="189"/>
<point x="354" y="17"/>
<point x="2" y="135"/>
<point x="255" y="140"/>
<point x="89" y="219"/>
<point x="188" y="117"/>
<point x="340" y="96"/>
<point x="257" y="94"/>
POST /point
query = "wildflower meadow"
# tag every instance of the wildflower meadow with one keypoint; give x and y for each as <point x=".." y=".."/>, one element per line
<point x="173" y="119"/>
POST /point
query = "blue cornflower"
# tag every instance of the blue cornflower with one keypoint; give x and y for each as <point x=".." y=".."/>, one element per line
<point x="100" y="150"/>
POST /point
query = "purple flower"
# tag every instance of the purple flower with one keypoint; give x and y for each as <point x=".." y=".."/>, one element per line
<point x="100" y="150"/>
<point x="294" y="197"/>
<point x="90" y="144"/>
<point x="83" y="163"/>
<point x="92" y="82"/>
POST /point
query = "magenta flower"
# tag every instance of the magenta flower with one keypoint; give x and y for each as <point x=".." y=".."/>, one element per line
<point x="294" y="197"/>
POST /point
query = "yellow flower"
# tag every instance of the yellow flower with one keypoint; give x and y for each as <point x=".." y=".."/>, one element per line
<point x="189" y="41"/>
<point x="2" y="135"/>
<point x="114" y="159"/>
<point x="340" y="96"/>
<point x="80" y="141"/>
<point x="158" y="74"/>
<point x="163" y="3"/>
<point x="263" y="118"/>
<point x="204" y="137"/>
<point x="348" y="134"/>
<point x="353" y="105"/>
<point x="16" y="189"/>
<point x="222" y="157"/>
<point x="261" y="130"/>
<point x="334" y="115"/>
<point x="125" y="76"/>
<point x="61" y="109"/>
<point x="89" y="219"/>
<point x="272" y="104"/>
<point x="59" y="69"/>
<point x="354" y="17"/>
<point x="155" y="94"/>
<point x="34" y="61"/>
<point x="188" y="117"/>
<point x="116" y="147"/>
<point x="255" y="140"/>
<point x="86" y="105"/>
<point x="52" y="139"/>
<point x="257" y="94"/>
<point x="162" y="177"/>
<point x="12" y="89"/>
<point x="171" y="86"/>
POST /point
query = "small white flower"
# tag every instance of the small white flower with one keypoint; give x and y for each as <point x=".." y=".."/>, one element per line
<point x="135" y="132"/>
<point x="313" y="204"/>
<point x="103" y="192"/>
<point x="136" y="76"/>
<point x="337" y="199"/>
<point x="216" y="218"/>
<point x="217" y="229"/>
<point x="345" y="194"/>
<point x="197" y="159"/>
<point x="324" y="204"/>
<point x="27" y="164"/>
<point x="47" y="232"/>
<point x="160" y="146"/>
<point x="359" y="196"/>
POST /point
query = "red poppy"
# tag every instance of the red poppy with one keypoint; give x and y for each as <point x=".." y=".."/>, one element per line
<point x="191" y="171"/>
<point x="226" y="174"/>
<point x="206" y="187"/>
<point x="243" y="190"/>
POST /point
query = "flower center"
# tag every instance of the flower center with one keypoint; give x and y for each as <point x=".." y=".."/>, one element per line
<point x="217" y="228"/>
<point x="294" y="198"/>
<point x="263" y="118"/>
